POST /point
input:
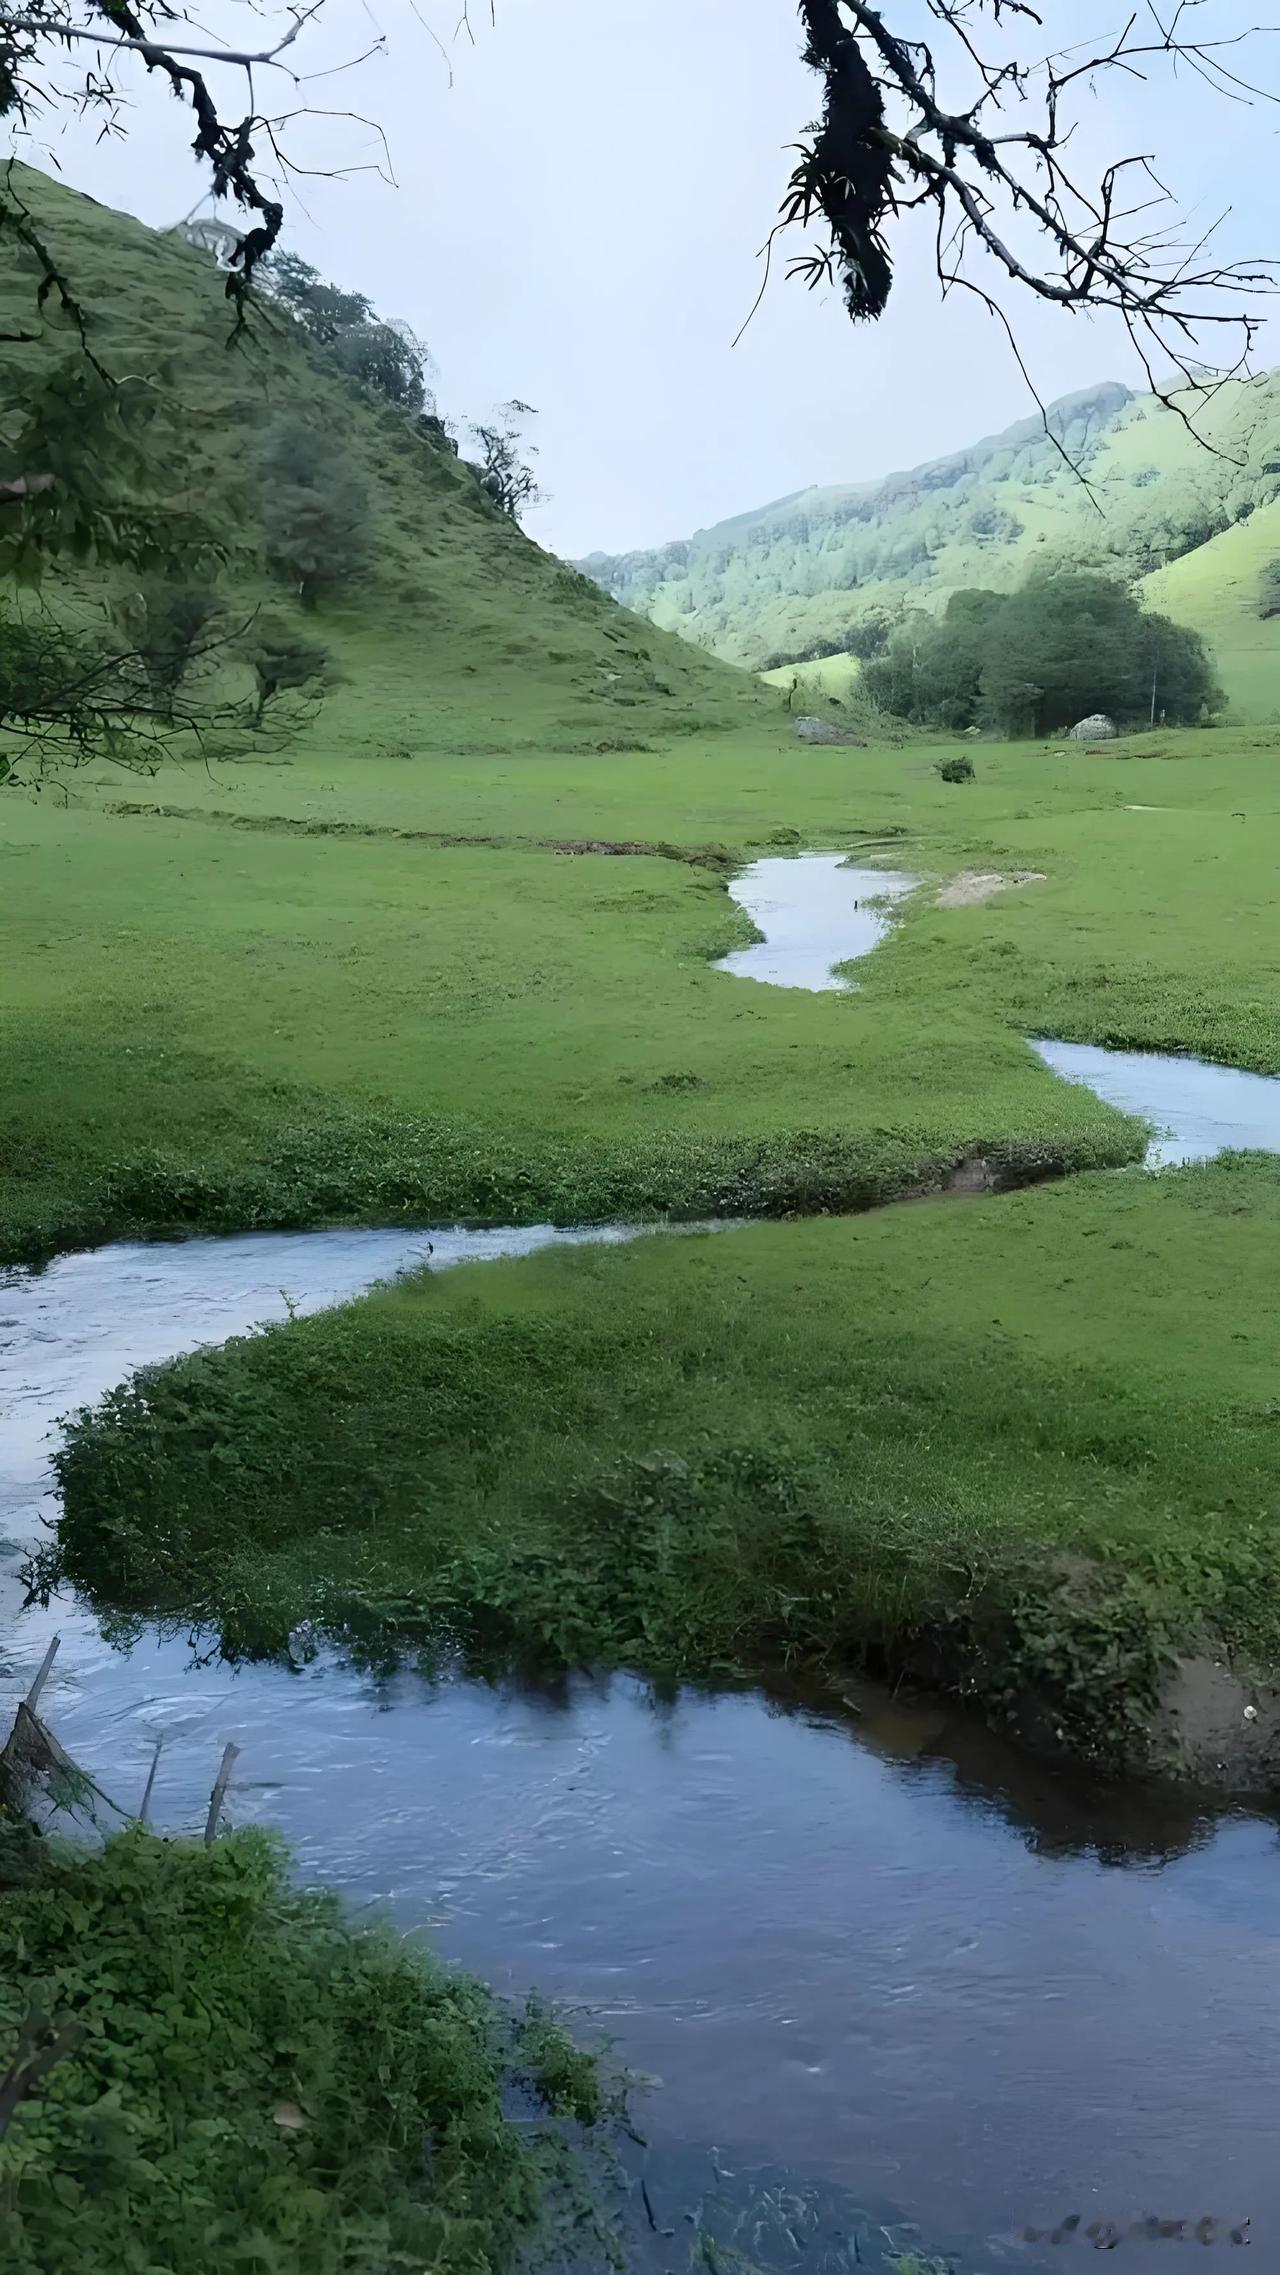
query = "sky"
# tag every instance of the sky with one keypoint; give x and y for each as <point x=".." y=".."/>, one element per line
<point x="570" y="208"/>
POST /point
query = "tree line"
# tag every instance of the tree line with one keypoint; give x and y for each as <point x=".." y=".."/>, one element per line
<point x="1067" y="643"/>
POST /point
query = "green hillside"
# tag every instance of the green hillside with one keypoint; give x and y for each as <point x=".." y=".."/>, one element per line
<point x="790" y="579"/>
<point x="1216" y="588"/>
<point x="464" y="633"/>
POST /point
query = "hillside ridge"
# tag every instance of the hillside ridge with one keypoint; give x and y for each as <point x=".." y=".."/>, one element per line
<point x="469" y="627"/>
<point x="1108" y="479"/>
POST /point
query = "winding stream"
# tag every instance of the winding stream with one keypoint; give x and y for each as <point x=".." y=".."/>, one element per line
<point x="881" y="1964"/>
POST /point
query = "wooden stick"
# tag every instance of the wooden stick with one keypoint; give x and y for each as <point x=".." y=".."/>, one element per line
<point x="45" y="1664"/>
<point x="219" y="1794"/>
<point x="151" y="1779"/>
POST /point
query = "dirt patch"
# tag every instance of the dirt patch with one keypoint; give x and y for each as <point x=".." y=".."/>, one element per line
<point x="1216" y="1728"/>
<point x="973" y="886"/>
<point x="288" y="825"/>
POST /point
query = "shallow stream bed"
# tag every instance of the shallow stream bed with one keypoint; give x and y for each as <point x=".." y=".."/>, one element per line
<point x="884" y="1968"/>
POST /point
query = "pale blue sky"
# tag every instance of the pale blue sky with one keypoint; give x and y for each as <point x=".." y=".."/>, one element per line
<point x="577" y="217"/>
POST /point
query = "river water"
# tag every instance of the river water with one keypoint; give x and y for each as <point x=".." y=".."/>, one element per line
<point x="885" y="1969"/>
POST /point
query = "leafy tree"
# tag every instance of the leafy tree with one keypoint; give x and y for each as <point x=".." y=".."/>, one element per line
<point x="324" y="311"/>
<point x="1269" y="590"/>
<point x="869" y="636"/>
<point x="167" y="624"/>
<point x="95" y="469"/>
<point x="283" y="662"/>
<point x="387" y="359"/>
<point x="68" y="695"/>
<point x="507" y="476"/>
<point x="1070" y="641"/>
<point x="315" y="511"/>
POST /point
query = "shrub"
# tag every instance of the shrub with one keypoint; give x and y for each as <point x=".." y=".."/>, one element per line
<point x="315" y="511"/>
<point x="256" y="2082"/>
<point x="167" y="623"/>
<point x="283" y="662"/>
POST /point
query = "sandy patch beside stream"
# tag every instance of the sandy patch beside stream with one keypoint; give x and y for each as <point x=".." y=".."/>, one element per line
<point x="973" y="886"/>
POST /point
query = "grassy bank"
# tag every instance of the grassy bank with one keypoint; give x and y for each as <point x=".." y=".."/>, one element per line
<point x="227" y="1028"/>
<point x="321" y="1014"/>
<point x="255" y="2084"/>
<point x="1031" y="1436"/>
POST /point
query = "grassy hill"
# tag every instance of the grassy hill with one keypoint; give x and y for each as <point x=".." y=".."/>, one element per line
<point x="791" y="578"/>
<point x="1216" y="589"/>
<point x="464" y="631"/>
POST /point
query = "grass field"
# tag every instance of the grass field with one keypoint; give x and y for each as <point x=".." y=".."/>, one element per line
<point x="1036" y="1430"/>
<point x="322" y="1014"/>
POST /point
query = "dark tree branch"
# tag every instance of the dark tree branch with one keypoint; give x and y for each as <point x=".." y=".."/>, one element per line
<point x="906" y="123"/>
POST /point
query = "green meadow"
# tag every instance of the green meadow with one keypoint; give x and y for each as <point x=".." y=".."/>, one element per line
<point x="447" y="952"/>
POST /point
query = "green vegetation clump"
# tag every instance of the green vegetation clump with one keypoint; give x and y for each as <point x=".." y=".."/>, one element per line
<point x="1066" y="644"/>
<point x="252" y="2083"/>
<point x="1024" y="1443"/>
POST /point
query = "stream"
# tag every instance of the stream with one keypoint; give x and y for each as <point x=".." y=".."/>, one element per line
<point x="884" y="1969"/>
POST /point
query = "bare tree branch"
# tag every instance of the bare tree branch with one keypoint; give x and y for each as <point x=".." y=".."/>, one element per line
<point x="906" y="124"/>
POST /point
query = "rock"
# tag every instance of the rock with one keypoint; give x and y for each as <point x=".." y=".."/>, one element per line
<point x="822" y="731"/>
<point x="1097" y="728"/>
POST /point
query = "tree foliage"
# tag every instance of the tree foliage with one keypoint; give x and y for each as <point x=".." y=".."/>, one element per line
<point x="95" y="469"/>
<point x="315" y="510"/>
<point x="1069" y="642"/>
<point x="71" y="693"/>
<point x="504" y="458"/>
<point x="283" y="662"/>
<point x="168" y="624"/>
<point x="387" y="357"/>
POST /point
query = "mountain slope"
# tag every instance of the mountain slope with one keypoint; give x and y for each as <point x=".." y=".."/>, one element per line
<point x="1216" y="588"/>
<point x="794" y="576"/>
<point x="472" y="630"/>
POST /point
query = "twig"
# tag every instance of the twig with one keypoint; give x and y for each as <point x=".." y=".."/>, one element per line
<point x="219" y="1794"/>
<point x="33" y="1695"/>
<point x="151" y="1779"/>
<point x="39" y="2047"/>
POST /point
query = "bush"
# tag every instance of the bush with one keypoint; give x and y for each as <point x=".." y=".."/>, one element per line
<point x="957" y="769"/>
<point x="167" y="624"/>
<point x="1269" y="590"/>
<point x="1068" y="642"/>
<point x="255" y="2082"/>
<point x="283" y="662"/>
<point x="315" y="511"/>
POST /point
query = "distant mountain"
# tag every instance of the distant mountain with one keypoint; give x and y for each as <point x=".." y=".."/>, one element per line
<point x="790" y="579"/>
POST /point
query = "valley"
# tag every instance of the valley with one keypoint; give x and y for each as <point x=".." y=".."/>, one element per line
<point x="623" y="1407"/>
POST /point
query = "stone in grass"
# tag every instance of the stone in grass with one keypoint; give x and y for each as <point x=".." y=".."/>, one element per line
<point x="1097" y="728"/>
<point x="824" y="731"/>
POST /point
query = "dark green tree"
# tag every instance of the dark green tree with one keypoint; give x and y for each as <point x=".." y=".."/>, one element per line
<point x="315" y="511"/>
<point x="324" y="311"/>
<point x="283" y="662"/>
<point x="1069" y="642"/>
<point x="168" y="624"/>
<point x="504" y="455"/>
<point x="387" y="359"/>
